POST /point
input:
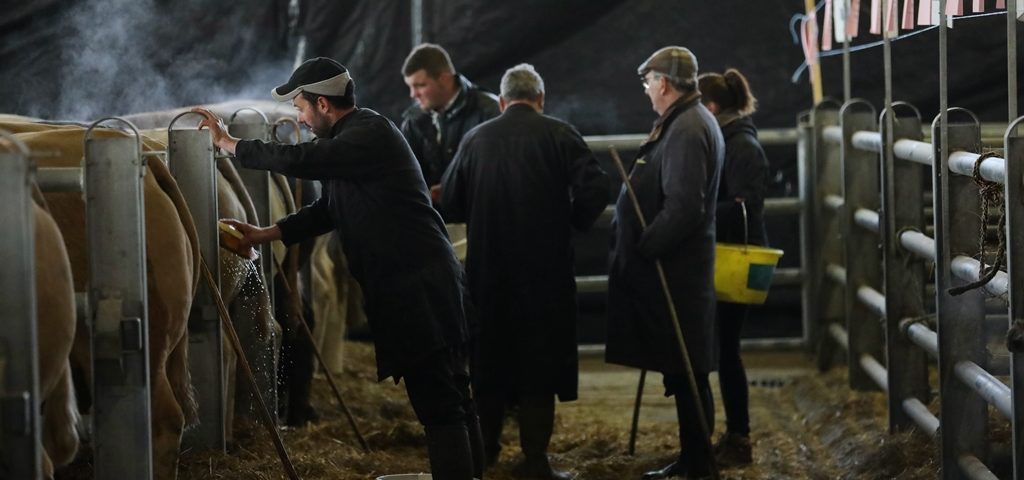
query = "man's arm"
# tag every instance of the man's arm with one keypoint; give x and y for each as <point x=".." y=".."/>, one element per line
<point x="309" y="221"/>
<point x="453" y="204"/>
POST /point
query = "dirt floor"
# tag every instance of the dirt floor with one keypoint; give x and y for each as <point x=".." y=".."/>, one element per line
<point x="805" y="425"/>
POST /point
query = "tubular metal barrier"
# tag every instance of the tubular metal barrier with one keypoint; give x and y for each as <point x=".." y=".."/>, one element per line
<point x="877" y="219"/>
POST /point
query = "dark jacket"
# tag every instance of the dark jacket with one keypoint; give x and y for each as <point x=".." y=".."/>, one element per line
<point x="745" y="175"/>
<point x="522" y="182"/>
<point x="375" y="198"/>
<point x="675" y="178"/>
<point x="472" y="107"/>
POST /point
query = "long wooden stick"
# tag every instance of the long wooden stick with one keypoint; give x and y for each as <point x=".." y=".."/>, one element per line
<point x="264" y="413"/>
<point x="316" y="351"/>
<point x="636" y="412"/>
<point x="705" y="429"/>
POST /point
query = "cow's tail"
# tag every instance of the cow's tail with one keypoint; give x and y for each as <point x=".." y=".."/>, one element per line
<point x="60" y="420"/>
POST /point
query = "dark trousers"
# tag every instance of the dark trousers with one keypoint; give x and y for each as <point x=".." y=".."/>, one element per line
<point x="295" y="368"/>
<point x="732" y="377"/>
<point x="439" y="392"/>
<point x="694" y="444"/>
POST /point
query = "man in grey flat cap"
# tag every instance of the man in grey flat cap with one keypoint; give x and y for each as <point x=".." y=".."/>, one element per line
<point x="374" y="196"/>
<point x="675" y="177"/>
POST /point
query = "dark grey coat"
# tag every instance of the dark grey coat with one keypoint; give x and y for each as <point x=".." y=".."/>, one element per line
<point x="522" y="182"/>
<point x="397" y="247"/>
<point x="676" y="181"/>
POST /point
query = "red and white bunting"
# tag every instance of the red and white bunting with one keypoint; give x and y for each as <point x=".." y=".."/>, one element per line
<point x="826" y="36"/>
<point x="954" y="8"/>
<point x="852" y="19"/>
<point x="876" y="17"/>
<point x="908" y="15"/>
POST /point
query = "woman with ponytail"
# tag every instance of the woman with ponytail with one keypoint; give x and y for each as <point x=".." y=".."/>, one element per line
<point x="742" y="186"/>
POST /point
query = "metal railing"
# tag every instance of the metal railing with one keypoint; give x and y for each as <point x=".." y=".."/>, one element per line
<point x="868" y="225"/>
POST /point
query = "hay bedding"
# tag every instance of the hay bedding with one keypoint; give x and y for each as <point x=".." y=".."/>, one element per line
<point x="810" y="427"/>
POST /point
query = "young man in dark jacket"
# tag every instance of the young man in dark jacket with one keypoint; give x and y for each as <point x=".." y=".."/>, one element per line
<point x="522" y="182"/>
<point x="675" y="177"/>
<point x="447" y="105"/>
<point x="375" y="198"/>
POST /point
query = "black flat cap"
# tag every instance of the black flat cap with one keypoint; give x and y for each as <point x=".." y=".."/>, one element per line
<point x="320" y="75"/>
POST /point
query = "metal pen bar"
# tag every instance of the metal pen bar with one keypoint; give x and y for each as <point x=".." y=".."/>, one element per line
<point x="20" y="435"/>
<point x="867" y="219"/>
<point x="919" y="244"/>
<point x="60" y="179"/>
<point x="783" y="206"/>
<point x="974" y="468"/>
<point x="834" y="202"/>
<point x="919" y="413"/>
<point x="832" y="134"/>
<point x="915" y="151"/>
<point x="923" y="337"/>
<point x="989" y="387"/>
<point x="875" y="371"/>
<point x="839" y="335"/>
<point x="867" y="141"/>
<point x="969" y="269"/>
<point x="836" y="273"/>
<point x="873" y="299"/>
<point x="992" y="169"/>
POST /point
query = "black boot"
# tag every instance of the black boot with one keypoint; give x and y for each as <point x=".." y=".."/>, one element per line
<point x="449" y="451"/>
<point x="536" y="422"/>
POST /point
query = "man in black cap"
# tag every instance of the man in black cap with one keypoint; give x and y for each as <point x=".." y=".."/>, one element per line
<point x="375" y="198"/>
<point x="447" y="105"/>
<point x="675" y="178"/>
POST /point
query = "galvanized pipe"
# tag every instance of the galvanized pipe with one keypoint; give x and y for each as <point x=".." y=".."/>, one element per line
<point x="783" y="205"/>
<point x="834" y="202"/>
<point x="914" y="151"/>
<point x="919" y="413"/>
<point x="836" y="273"/>
<point x="974" y="468"/>
<point x="873" y="299"/>
<point x="919" y="244"/>
<point x="839" y="334"/>
<point x="995" y="392"/>
<point x="992" y="169"/>
<point x="599" y="283"/>
<point x="875" y="370"/>
<point x="833" y="134"/>
<point x="60" y="179"/>
<point x="923" y="337"/>
<point x="867" y="141"/>
<point x="967" y="268"/>
<point x="867" y="219"/>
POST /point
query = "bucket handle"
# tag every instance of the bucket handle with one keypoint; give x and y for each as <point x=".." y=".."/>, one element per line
<point x="746" y="237"/>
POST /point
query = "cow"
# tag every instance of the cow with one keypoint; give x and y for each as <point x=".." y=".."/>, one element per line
<point x="172" y="274"/>
<point x="55" y="314"/>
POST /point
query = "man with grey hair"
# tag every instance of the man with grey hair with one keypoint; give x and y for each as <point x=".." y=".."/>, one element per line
<point x="521" y="182"/>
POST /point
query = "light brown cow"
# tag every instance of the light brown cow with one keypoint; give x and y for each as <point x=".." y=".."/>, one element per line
<point x="172" y="276"/>
<point x="55" y="313"/>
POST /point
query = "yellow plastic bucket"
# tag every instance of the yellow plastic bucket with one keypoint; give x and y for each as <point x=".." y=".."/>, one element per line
<point x="743" y="273"/>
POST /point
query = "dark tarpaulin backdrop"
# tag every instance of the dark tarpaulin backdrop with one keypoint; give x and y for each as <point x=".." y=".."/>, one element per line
<point x="83" y="59"/>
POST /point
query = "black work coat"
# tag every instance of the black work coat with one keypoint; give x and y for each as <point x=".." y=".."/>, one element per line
<point x="396" y="245"/>
<point x="675" y="177"/>
<point x="522" y="182"/>
<point x="472" y="107"/>
<point x="744" y="175"/>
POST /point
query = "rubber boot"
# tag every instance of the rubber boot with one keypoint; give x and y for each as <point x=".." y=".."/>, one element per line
<point x="536" y="423"/>
<point x="450" y="455"/>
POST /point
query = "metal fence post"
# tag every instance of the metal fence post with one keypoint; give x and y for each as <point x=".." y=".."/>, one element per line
<point x="860" y="246"/>
<point x="190" y="159"/>
<point x="902" y="209"/>
<point x="808" y="257"/>
<point x="19" y="377"/>
<point x="1014" y="198"/>
<point x="960" y="319"/>
<point x="825" y="247"/>
<point x="257" y="182"/>
<point x="115" y="213"/>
